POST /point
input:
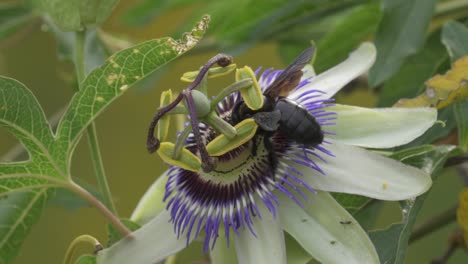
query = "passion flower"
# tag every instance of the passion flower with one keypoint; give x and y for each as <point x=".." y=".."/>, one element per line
<point x="272" y="184"/>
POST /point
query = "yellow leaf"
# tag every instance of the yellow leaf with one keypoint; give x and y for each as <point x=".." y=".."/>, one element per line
<point x="442" y="90"/>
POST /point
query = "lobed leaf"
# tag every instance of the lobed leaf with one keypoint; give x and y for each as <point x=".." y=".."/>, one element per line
<point x="18" y="213"/>
<point x="23" y="189"/>
<point x="26" y="186"/>
<point x="21" y="115"/>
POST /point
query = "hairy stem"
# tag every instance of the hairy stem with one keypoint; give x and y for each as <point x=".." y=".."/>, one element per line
<point x="92" y="135"/>
<point x="72" y="248"/>
<point x="436" y="222"/>
<point x="114" y="220"/>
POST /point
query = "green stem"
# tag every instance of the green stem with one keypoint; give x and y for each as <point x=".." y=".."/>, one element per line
<point x="80" y="41"/>
<point x="72" y="248"/>
<point x="444" y="218"/>
<point x="92" y="135"/>
<point x="114" y="220"/>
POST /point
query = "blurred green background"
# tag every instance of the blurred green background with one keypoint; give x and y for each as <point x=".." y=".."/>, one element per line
<point x="30" y="56"/>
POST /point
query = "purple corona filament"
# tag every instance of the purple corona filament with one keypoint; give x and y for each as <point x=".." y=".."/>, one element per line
<point x="226" y="199"/>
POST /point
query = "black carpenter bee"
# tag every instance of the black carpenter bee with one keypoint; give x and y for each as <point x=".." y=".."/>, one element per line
<point x="282" y="114"/>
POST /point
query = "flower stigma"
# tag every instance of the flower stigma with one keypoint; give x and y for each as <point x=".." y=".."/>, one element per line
<point x="227" y="197"/>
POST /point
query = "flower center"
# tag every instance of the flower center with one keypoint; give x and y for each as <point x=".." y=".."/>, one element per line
<point x="228" y="195"/>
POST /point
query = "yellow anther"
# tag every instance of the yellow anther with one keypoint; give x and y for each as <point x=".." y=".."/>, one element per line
<point x="186" y="160"/>
<point x="252" y="95"/>
<point x="164" y="122"/>
<point x="222" y="144"/>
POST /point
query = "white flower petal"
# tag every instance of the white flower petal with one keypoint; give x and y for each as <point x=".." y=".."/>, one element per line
<point x="221" y="254"/>
<point x="151" y="243"/>
<point x="151" y="204"/>
<point x="268" y="247"/>
<point x="326" y="230"/>
<point x="308" y="72"/>
<point x="381" y="127"/>
<point x="358" y="171"/>
<point x="332" y="80"/>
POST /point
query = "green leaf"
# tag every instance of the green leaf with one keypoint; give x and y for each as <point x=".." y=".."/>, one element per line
<point x="239" y="24"/>
<point x="460" y="110"/>
<point x="21" y="114"/>
<point x="409" y="153"/>
<point x="391" y="243"/>
<point x="26" y="185"/>
<point x="352" y="203"/>
<point x="409" y="80"/>
<point x="18" y="213"/>
<point x="455" y="38"/>
<point x="114" y="235"/>
<point x="386" y="242"/>
<point x="147" y="10"/>
<point x="442" y="90"/>
<point x="353" y="28"/>
<point x="64" y="13"/>
<point x="72" y="15"/>
<point x="108" y="82"/>
<point x="401" y="33"/>
<point x="12" y="18"/>
<point x="95" y="51"/>
<point x="86" y="259"/>
<point x="295" y="253"/>
<point x="23" y="185"/>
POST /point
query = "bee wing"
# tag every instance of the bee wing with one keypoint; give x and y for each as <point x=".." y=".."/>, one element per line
<point x="291" y="76"/>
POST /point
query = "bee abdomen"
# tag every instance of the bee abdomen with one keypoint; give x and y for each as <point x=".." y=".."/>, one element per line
<point x="298" y="124"/>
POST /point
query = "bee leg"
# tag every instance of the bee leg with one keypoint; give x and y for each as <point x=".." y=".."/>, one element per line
<point x="254" y="145"/>
<point x="270" y="150"/>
